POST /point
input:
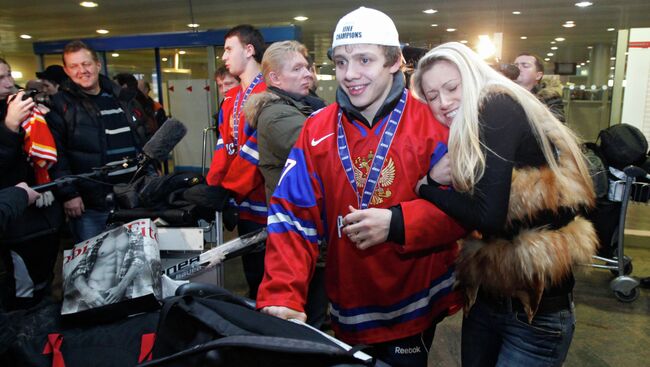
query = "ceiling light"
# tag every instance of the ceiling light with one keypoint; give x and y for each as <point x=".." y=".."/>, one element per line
<point x="611" y="68"/>
<point x="590" y="47"/>
<point x="560" y="39"/>
<point x="582" y="64"/>
<point x="569" y="21"/>
<point x="554" y="48"/>
<point x="164" y="59"/>
<point x="88" y="4"/>
<point x="25" y="36"/>
<point x="611" y="29"/>
<point x="102" y="31"/>
<point x="485" y="47"/>
<point x="463" y="41"/>
<point x="553" y="42"/>
<point x="182" y="52"/>
<point x="547" y="59"/>
<point x="516" y="12"/>
<point x="217" y="57"/>
<point x="584" y="4"/>
<point x="578" y="66"/>
<point x="550" y="54"/>
<point x="16" y="74"/>
<point x="300" y="18"/>
<point x="568" y="25"/>
<point x="430" y="11"/>
<point x="523" y="37"/>
<point x="434" y="25"/>
<point x="115" y="54"/>
<point x="451" y="29"/>
<point x="193" y="25"/>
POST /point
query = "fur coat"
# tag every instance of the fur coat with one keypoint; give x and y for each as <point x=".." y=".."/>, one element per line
<point x="536" y="257"/>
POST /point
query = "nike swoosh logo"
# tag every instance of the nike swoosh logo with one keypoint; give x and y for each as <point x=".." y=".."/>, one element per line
<point x="316" y="142"/>
<point x="227" y="98"/>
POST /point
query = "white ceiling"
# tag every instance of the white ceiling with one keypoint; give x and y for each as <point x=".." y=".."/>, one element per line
<point x="541" y="21"/>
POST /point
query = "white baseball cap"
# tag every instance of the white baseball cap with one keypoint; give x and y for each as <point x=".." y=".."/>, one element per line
<point x="365" y="25"/>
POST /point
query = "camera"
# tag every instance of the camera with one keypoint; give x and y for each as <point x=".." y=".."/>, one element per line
<point x="37" y="96"/>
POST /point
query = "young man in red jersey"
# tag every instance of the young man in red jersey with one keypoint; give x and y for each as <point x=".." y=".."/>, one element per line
<point x="349" y="181"/>
<point x="234" y="165"/>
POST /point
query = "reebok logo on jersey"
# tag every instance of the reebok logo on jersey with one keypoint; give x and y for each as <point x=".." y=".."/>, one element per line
<point x="412" y="350"/>
<point x="315" y="142"/>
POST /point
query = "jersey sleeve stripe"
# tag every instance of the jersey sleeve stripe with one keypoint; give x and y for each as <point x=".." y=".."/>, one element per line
<point x="281" y="221"/>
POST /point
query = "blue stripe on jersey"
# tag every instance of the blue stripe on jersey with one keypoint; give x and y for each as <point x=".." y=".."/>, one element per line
<point x="414" y="306"/>
<point x="381" y="125"/>
<point x="282" y="221"/>
<point x="220" y="118"/>
<point x="248" y="129"/>
<point x="294" y="185"/>
<point x="253" y="207"/>
<point x="438" y="153"/>
<point x="361" y="129"/>
<point x="250" y="151"/>
<point x="120" y="151"/>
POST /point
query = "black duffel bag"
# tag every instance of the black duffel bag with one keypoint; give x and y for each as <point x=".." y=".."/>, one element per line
<point x="223" y="330"/>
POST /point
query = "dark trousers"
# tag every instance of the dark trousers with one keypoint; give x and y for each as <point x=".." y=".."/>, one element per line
<point x="412" y="351"/>
<point x="253" y="262"/>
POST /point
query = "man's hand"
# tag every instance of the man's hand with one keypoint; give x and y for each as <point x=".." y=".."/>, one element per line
<point x="18" y="110"/>
<point x="46" y="199"/>
<point x="367" y="227"/>
<point x="115" y="294"/>
<point x="32" y="195"/>
<point x="93" y="298"/>
<point x="74" y="207"/>
<point x="284" y="313"/>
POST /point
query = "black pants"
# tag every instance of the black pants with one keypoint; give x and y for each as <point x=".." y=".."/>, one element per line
<point x="253" y="262"/>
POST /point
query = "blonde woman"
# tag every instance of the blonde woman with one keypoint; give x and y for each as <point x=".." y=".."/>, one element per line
<point x="520" y="181"/>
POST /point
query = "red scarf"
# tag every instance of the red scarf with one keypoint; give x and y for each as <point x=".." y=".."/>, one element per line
<point x="39" y="145"/>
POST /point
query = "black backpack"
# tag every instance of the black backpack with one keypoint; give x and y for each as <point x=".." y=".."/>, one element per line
<point x="597" y="169"/>
<point x="623" y="145"/>
<point x="224" y="330"/>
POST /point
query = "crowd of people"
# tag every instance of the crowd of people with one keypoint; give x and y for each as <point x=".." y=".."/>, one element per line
<point x="366" y="200"/>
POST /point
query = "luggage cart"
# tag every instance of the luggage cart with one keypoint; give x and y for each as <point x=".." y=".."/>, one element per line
<point x="625" y="190"/>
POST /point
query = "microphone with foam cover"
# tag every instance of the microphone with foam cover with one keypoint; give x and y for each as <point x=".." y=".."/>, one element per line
<point x="164" y="140"/>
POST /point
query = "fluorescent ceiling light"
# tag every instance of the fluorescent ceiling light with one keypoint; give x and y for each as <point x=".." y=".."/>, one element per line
<point x="182" y="52"/>
<point x="300" y="18"/>
<point x="430" y="11"/>
<point x="516" y="12"/>
<point x="451" y="29"/>
<point x="554" y="48"/>
<point x="88" y="4"/>
<point x="523" y="37"/>
<point x="434" y="25"/>
<point x="584" y="4"/>
<point x="463" y="41"/>
<point x="568" y="25"/>
<point x="164" y="59"/>
<point x="611" y="29"/>
<point x="25" y="36"/>
<point x="102" y="31"/>
<point x="115" y="54"/>
<point x="193" y="25"/>
<point x="550" y="54"/>
<point x="547" y="59"/>
<point x="560" y="39"/>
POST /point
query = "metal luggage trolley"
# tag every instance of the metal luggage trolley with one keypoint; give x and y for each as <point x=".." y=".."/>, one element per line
<point x="625" y="190"/>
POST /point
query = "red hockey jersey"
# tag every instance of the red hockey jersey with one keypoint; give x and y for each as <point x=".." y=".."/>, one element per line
<point x="389" y="291"/>
<point x="235" y="160"/>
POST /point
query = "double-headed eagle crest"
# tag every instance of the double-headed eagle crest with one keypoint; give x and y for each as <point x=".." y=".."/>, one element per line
<point x="362" y="166"/>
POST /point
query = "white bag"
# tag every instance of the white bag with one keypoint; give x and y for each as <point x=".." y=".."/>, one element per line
<point x="116" y="266"/>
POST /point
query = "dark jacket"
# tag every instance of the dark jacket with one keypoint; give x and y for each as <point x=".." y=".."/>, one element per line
<point x="550" y="93"/>
<point x="13" y="159"/>
<point x="279" y="118"/>
<point x="81" y="139"/>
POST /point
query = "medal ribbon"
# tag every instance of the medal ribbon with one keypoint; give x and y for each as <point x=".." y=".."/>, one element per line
<point x="238" y="108"/>
<point x="380" y="153"/>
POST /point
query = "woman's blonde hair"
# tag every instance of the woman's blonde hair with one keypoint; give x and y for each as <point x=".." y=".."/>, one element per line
<point x="479" y="82"/>
<point x="276" y="55"/>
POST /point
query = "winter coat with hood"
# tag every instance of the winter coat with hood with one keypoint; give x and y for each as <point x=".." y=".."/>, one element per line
<point x="278" y="117"/>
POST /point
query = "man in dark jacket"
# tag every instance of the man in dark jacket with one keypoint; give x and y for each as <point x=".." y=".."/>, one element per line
<point x="531" y="71"/>
<point x="95" y="123"/>
<point x="28" y="237"/>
